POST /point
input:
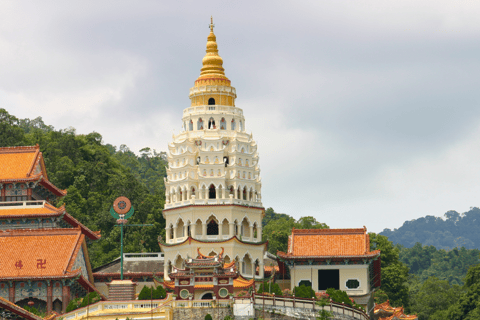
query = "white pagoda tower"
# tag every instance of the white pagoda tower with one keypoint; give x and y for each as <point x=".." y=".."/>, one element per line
<point x="213" y="185"/>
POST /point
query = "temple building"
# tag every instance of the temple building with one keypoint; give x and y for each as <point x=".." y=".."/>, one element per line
<point x="334" y="258"/>
<point x="213" y="185"/>
<point x="207" y="277"/>
<point x="44" y="257"/>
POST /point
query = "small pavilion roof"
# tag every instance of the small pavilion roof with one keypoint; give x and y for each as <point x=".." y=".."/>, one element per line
<point x="39" y="253"/>
<point x="329" y="243"/>
<point x="243" y="283"/>
<point x="384" y="311"/>
<point x="25" y="164"/>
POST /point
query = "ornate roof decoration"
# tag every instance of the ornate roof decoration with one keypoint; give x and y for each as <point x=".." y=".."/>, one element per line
<point x="384" y="311"/>
<point x="329" y="243"/>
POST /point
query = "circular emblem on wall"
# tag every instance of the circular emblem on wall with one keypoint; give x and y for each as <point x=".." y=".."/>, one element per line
<point x="122" y="205"/>
<point x="223" y="292"/>
<point x="184" y="294"/>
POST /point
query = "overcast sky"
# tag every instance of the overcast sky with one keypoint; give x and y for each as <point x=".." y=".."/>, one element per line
<point x="365" y="112"/>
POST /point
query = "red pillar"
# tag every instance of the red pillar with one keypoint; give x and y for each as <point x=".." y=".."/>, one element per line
<point x="66" y="298"/>
<point x="49" y="297"/>
<point x="11" y="292"/>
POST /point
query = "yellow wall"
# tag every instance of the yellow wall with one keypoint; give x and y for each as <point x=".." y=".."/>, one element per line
<point x="359" y="272"/>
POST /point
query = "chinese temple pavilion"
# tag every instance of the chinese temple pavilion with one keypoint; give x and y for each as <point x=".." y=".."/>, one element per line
<point x="44" y="258"/>
<point x="206" y="277"/>
<point x="333" y="258"/>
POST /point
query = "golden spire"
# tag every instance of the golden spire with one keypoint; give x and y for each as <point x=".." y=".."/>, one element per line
<point x="212" y="62"/>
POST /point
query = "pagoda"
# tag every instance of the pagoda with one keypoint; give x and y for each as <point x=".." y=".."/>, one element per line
<point x="44" y="257"/>
<point x="213" y="185"/>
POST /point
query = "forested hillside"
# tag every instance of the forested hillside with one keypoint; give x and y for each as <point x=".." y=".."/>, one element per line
<point x="455" y="231"/>
<point x="94" y="174"/>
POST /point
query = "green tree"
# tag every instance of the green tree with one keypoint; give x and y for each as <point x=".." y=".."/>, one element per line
<point x="434" y="296"/>
<point x="468" y="306"/>
<point x="11" y="134"/>
<point x="339" y="296"/>
<point x="324" y="314"/>
<point x="394" y="272"/>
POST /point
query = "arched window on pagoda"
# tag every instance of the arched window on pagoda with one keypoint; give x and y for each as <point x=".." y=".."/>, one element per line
<point x="225" y="160"/>
<point x="233" y="124"/>
<point x="223" y="124"/>
<point x="211" y="102"/>
<point x="200" y="124"/>
<point x="171" y="231"/>
<point x="244" y="193"/>
<point x="212" y="194"/>
<point x="190" y="125"/>
<point x="211" y="123"/>
<point x="212" y="228"/>
<point x="241" y="125"/>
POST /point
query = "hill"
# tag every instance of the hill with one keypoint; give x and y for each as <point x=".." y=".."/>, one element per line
<point x="454" y="231"/>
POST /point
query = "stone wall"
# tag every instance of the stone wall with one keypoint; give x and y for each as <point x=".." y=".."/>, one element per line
<point x="200" y="313"/>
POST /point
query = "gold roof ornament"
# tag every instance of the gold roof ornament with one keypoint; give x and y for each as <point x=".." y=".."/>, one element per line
<point x="212" y="63"/>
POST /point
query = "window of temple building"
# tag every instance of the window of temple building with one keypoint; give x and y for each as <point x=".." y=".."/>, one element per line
<point x="184" y="293"/>
<point x="211" y="102"/>
<point x="328" y="279"/>
<point x="200" y="124"/>
<point x="241" y="125"/>
<point x="225" y="160"/>
<point x="352" y="284"/>
<point x="212" y="228"/>
<point x="190" y="125"/>
<point x="223" y="124"/>
<point x="223" y="292"/>
<point x="212" y="194"/>
<point x="306" y="283"/>
<point x="233" y="124"/>
<point x="211" y="123"/>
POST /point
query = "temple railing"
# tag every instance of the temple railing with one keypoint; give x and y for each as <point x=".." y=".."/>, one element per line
<point x="282" y="302"/>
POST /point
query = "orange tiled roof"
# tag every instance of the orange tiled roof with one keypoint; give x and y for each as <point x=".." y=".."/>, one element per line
<point x="242" y="283"/>
<point x="20" y="162"/>
<point x="39" y="253"/>
<point x="47" y="209"/>
<point x="329" y="243"/>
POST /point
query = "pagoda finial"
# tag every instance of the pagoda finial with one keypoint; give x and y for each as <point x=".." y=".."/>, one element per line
<point x="212" y="62"/>
<point x="211" y="25"/>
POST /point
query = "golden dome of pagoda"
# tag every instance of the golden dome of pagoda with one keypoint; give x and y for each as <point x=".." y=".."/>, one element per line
<point x="212" y="72"/>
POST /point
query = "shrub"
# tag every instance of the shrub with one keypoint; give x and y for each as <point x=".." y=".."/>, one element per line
<point x="339" y="296"/>
<point x="270" y="288"/>
<point x="208" y="317"/>
<point x="148" y="293"/>
<point x="304" y="292"/>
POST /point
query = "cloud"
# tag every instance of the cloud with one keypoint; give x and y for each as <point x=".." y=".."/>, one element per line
<point x="365" y="112"/>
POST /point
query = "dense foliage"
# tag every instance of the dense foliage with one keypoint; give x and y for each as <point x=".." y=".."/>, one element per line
<point x="427" y="261"/>
<point x="394" y="272"/>
<point x="89" y="299"/>
<point x="455" y="231"/>
<point x="304" y="291"/>
<point x="269" y="287"/>
<point x="279" y="227"/>
<point x="94" y="174"/>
